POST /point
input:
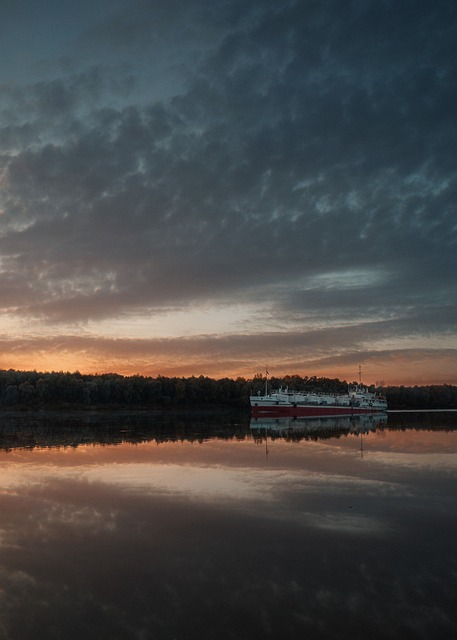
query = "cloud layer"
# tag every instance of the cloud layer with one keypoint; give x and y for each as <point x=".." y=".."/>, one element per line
<point x="299" y="159"/>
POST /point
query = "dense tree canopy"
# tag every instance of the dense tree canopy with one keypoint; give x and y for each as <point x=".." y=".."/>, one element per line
<point x="34" y="390"/>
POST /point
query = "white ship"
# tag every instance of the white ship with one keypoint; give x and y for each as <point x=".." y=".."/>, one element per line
<point x="284" y="402"/>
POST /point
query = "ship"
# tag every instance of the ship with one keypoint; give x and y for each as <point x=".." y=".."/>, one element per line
<point x="288" y="403"/>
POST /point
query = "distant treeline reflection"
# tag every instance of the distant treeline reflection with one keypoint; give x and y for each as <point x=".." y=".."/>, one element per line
<point x="60" y="429"/>
<point x="63" y="390"/>
<point x="71" y="430"/>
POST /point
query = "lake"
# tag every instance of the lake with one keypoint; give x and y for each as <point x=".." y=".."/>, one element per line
<point x="209" y="527"/>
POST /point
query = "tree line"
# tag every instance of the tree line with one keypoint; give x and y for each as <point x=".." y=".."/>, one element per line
<point x="65" y="390"/>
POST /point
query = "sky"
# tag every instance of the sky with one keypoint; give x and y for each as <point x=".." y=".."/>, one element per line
<point x="217" y="187"/>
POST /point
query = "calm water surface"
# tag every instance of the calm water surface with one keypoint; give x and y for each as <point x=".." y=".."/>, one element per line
<point x="215" y="531"/>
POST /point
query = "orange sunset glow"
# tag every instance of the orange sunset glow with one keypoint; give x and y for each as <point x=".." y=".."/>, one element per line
<point x="208" y="191"/>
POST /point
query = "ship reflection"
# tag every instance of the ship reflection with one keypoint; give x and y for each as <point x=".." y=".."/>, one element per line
<point x="316" y="428"/>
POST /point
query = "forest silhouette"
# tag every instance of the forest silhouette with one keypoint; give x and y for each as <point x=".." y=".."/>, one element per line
<point x="21" y="390"/>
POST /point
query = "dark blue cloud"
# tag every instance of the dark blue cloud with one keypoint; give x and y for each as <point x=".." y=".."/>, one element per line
<point x="194" y="153"/>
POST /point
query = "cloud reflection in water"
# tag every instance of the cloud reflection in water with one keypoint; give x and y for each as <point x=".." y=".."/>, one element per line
<point x="219" y="540"/>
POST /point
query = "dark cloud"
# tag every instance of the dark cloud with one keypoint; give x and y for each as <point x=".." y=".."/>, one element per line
<point x="296" y="142"/>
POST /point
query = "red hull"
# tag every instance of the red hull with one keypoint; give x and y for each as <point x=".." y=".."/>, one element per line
<point x="275" y="411"/>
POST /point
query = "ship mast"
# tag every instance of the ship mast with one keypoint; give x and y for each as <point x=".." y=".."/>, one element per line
<point x="266" y="380"/>
<point x="360" y="375"/>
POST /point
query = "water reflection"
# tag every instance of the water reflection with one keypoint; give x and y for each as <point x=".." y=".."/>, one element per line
<point x="188" y="530"/>
<point x="316" y="427"/>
